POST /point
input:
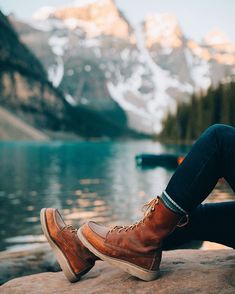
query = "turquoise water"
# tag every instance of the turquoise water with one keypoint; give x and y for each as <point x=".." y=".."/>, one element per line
<point x="84" y="180"/>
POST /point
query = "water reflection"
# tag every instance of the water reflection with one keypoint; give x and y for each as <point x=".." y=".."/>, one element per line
<point x="85" y="180"/>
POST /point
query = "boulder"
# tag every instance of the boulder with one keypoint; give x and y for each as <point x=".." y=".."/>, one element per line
<point x="182" y="271"/>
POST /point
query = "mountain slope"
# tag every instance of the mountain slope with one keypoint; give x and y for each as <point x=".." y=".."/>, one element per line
<point x="12" y="128"/>
<point x="26" y="91"/>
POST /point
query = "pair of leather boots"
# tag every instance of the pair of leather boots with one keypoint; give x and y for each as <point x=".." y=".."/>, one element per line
<point x="136" y="249"/>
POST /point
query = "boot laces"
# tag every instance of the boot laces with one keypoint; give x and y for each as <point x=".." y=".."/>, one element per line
<point x="148" y="208"/>
<point x="70" y="228"/>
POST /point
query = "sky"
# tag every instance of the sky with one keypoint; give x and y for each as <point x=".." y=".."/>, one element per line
<point x="196" y="17"/>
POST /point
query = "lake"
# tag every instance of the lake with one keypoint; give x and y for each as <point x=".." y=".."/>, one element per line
<point x="84" y="180"/>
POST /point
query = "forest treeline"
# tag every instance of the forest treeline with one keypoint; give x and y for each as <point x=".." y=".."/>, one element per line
<point x="217" y="105"/>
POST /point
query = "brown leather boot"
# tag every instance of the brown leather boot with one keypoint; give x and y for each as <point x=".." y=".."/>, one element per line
<point x="136" y="248"/>
<point x="74" y="259"/>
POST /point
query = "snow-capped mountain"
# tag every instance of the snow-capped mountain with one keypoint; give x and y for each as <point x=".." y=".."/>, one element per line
<point x="95" y="56"/>
<point x="95" y="18"/>
<point x="164" y="30"/>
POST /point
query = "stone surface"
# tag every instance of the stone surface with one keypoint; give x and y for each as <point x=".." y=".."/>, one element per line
<point x="182" y="271"/>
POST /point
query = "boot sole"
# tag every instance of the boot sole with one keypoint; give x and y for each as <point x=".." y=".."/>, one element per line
<point x="61" y="258"/>
<point x="126" y="266"/>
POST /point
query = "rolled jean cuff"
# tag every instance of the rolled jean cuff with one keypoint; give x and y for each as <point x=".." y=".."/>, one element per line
<point x="171" y="204"/>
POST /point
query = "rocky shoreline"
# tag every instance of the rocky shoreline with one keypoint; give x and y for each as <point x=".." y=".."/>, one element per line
<point x="182" y="271"/>
<point x="27" y="262"/>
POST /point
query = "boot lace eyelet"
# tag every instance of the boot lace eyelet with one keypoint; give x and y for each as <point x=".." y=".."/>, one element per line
<point x="149" y="208"/>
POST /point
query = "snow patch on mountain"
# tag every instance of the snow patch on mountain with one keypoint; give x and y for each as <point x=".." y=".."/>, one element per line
<point x="47" y="25"/>
<point x="43" y="13"/>
<point x="70" y="99"/>
<point x="58" y="47"/>
<point x="90" y="43"/>
<point x="127" y="94"/>
<point x="56" y="72"/>
<point x="162" y="29"/>
<point x="162" y="80"/>
<point x="216" y="37"/>
<point x="118" y="93"/>
<point x="58" y="44"/>
<point x="199" y="70"/>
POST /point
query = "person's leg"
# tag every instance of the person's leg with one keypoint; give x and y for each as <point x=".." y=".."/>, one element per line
<point x="211" y="157"/>
<point x="137" y="248"/>
<point x="208" y="222"/>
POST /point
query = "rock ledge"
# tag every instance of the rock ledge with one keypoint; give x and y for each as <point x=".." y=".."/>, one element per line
<point x="182" y="271"/>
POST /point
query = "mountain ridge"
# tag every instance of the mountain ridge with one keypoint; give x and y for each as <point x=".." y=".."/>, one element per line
<point x="147" y="71"/>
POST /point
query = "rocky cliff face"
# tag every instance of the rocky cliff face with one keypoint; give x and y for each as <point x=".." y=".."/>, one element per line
<point x="26" y="91"/>
<point x="95" y="56"/>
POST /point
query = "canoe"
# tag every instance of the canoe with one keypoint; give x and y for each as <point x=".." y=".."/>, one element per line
<point x="163" y="160"/>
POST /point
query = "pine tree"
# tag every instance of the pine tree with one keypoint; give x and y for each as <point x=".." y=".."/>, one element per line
<point x="226" y="105"/>
<point x="214" y="106"/>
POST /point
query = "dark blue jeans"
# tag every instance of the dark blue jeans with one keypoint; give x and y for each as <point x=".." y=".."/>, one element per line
<point x="211" y="157"/>
<point x="208" y="222"/>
